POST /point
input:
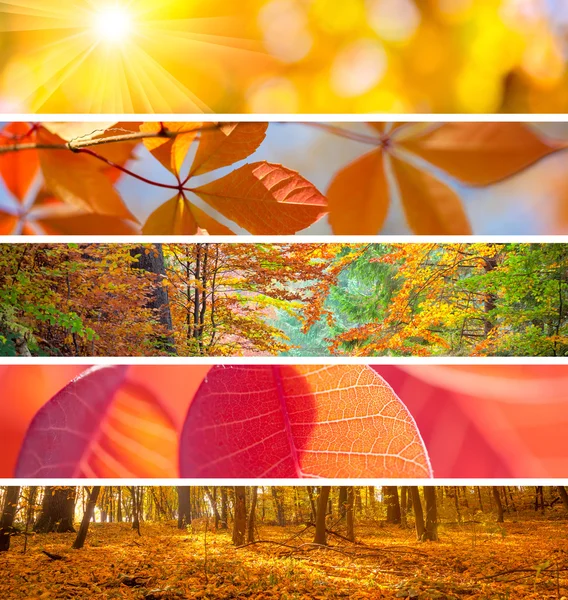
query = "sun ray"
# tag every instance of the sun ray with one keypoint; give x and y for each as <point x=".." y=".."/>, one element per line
<point x="56" y="58"/>
<point x="60" y="78"/>
<point x="164" y="83"/>
<point x="123" y="55"/>
<point x="38" y="8"/>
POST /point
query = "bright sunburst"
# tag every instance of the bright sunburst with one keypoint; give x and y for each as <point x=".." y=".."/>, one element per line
<point x="115" y="56"/>
<point x="112" y="23"/>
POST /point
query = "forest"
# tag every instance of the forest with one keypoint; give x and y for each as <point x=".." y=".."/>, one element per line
<point x="292" y="542"/>
<point x="332" y="299"/>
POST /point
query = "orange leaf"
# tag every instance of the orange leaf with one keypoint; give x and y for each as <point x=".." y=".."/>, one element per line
<point x="173" y="217"/>
<point x="171" y="152"/>
<point x="358" y="196"/>
<point x="378" y="127"/>
<point x="479" y="153"/>
<point x="18" y="169"/>
<point x="177" y="216"/>
<point x="7" y="223"/>
<point x="265" y="198"/>
<point x="430" y="206"/>
<point x="87" y="224"/>
<point x="74" y="130"/>
<point x="207" y="224"/>
<point x="78" y="180"/>
<point x="228" y="144"/>
<point x="299" y="421"/>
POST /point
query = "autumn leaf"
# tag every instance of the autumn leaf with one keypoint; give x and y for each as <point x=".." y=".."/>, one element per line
<point x="265" y="198"/>
<point x="431" y="206"/>
<point x="177" y="216"/>
<point x="100" y="425"/>
<point x="299" y="421"/>
<point x="87" y="224"/>
<point x="74" y="130"/>
<point x="358" y="196"/>
<point x="7" y="223"/>
<point x="473" y="153"/>
<point x="227" y="144"/>
<point x="171" y="152"/>
<point x="479" y="153"/>
<point x="79" y="180"/>
<point x="18" y="169"/>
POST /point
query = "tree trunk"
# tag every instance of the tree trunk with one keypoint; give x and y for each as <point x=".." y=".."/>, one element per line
<point x="350" y="521"/>
<point x="490" y="299"/>
<point x="403" y="506"/>
<point x="152" y="261"/>
<point x="57" y="510"/>
<point x="480" y="499"/>
<point x="342" y="501"/>
<point x="8" y="514"/>
<point x="431" y="531"/>
<point x="310" y="493"/>
<point x="320" y="536"/>
<point x="563" y="496"/>
<point x="279" y="507"/>
<point x="184" y="506"/>
<point x="240" y="520"/>
<point x="390" y="493"/>
<point x="119" y="505"/>
<point x="211" y="499"/>
<point x="135" y="509"/>
<point x="252" y="514"/>
<point x="497" y="498"/>
<point x="224" y="511"/>
<point x="89" y="512"/>
<point x="418" y="514"/>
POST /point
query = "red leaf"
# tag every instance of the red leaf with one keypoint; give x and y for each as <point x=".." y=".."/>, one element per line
<point x="100" y="425"/>
<point x="299" y="421"/>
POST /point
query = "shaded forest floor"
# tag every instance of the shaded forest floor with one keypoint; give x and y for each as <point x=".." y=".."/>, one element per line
<point x="386" y="563"/>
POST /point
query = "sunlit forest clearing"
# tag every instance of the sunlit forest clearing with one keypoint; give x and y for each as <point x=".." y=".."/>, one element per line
<point x="285" y="542"/>
<point x="205" y="299"/>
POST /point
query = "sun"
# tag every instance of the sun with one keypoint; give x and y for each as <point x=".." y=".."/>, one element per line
<point x="127" y="56"/>
<point x="112" y="24"/>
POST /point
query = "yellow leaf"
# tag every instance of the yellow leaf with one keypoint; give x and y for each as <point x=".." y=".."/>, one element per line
<point x="174" y="217"/>
<point x="171" y="152"/>
<point x="177" y="216"/>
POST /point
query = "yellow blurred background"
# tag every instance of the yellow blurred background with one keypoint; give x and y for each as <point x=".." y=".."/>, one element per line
<point x="284" y="56"/>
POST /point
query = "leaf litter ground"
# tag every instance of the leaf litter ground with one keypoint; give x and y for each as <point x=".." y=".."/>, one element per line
<point x="527" y="559"/>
